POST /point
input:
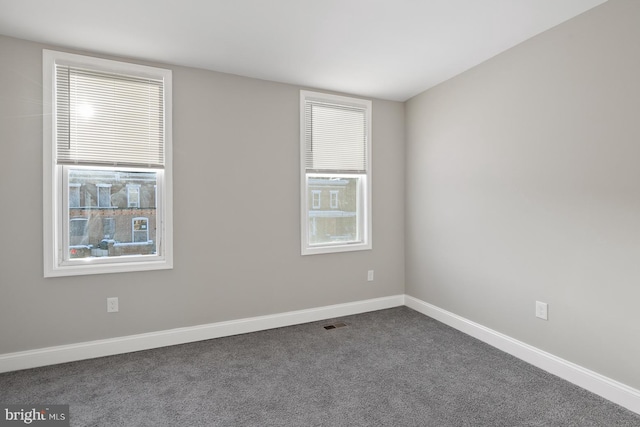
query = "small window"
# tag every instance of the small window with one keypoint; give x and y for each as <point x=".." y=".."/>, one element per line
<point x="333" y="194"/>
<point x="108" y="228"/>
<point x="335" y="160"/>
<point x="74" y="195"/>
<point x="78" y="231"/>
<point x="133" y="196"/>
<point x="140" y="230"/>
<point x="315" y="199"/>
<point x="104" y="195"/>
<point x="107" y="152"/>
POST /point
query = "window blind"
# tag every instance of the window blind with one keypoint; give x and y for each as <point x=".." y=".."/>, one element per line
<point x="335" y="138"/>
<point x="108" y="119"/>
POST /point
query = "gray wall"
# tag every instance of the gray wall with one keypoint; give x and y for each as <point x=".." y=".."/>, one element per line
<point x="236" y="216"/>
<point x="523" y="184"/>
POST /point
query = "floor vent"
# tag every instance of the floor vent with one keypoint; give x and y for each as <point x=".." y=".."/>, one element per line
<point x="335" y="325"/>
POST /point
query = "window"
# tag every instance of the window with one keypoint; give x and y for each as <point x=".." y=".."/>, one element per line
<point x="335" y="138"/>
<point x="334" y="199"/>
<point x="133" y="196"/>
<point x="140" y="230"/>
<point x="74" y="195"/>
<point x="107" y="166"/>
<point x="108" y="228"/>
<point x="78" y="231"/>
<point x="315" y="199"/>
<point x="103" y="195"/>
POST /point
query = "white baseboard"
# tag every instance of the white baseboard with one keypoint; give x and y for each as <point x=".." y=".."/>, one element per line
<point x="107" y="347"/>
<point x="610" y="389"/>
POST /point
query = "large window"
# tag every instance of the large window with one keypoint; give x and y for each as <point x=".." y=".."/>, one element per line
<point x="107" y="166"/>
<point x="335" y="161"/>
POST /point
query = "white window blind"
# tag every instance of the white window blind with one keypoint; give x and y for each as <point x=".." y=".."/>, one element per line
<point x="105" y="118"/>
<point x="335" y="138"/>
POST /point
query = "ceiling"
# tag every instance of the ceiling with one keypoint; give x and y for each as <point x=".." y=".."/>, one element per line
<point x="389" y="49"/>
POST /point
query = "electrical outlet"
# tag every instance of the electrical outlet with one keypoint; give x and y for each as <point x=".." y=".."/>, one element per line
<point x="370" y="275"/>
<point x="112" y="305"/>
<point x="542" y="310"/>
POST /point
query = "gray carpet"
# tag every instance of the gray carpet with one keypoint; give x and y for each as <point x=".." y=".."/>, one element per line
<point x="387" y="368"/>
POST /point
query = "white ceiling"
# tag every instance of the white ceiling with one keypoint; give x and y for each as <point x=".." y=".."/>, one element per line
<point x="390" y="49"/>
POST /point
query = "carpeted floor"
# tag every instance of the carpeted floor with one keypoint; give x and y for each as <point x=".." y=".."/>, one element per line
<point x="387" y="368"/>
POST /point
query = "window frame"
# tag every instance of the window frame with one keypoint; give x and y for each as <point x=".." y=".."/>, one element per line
<point x="55" y="194"/>
<point x="365" y="228"/>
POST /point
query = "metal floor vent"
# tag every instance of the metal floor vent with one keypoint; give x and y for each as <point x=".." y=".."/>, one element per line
<point x="335" y="325"/>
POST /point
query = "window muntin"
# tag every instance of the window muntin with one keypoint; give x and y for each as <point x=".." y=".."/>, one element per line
<point x="335" y="160"/>
<point x="89" y="210"/>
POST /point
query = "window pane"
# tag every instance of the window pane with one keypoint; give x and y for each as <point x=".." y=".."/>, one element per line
<point x="106" y="225"/>
<point x="328" y="222"/>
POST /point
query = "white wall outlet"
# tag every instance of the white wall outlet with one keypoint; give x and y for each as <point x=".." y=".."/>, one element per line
<point x="370" y="275"/>
<point x="112" y="305"/>
<point x="542" y="310"/>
